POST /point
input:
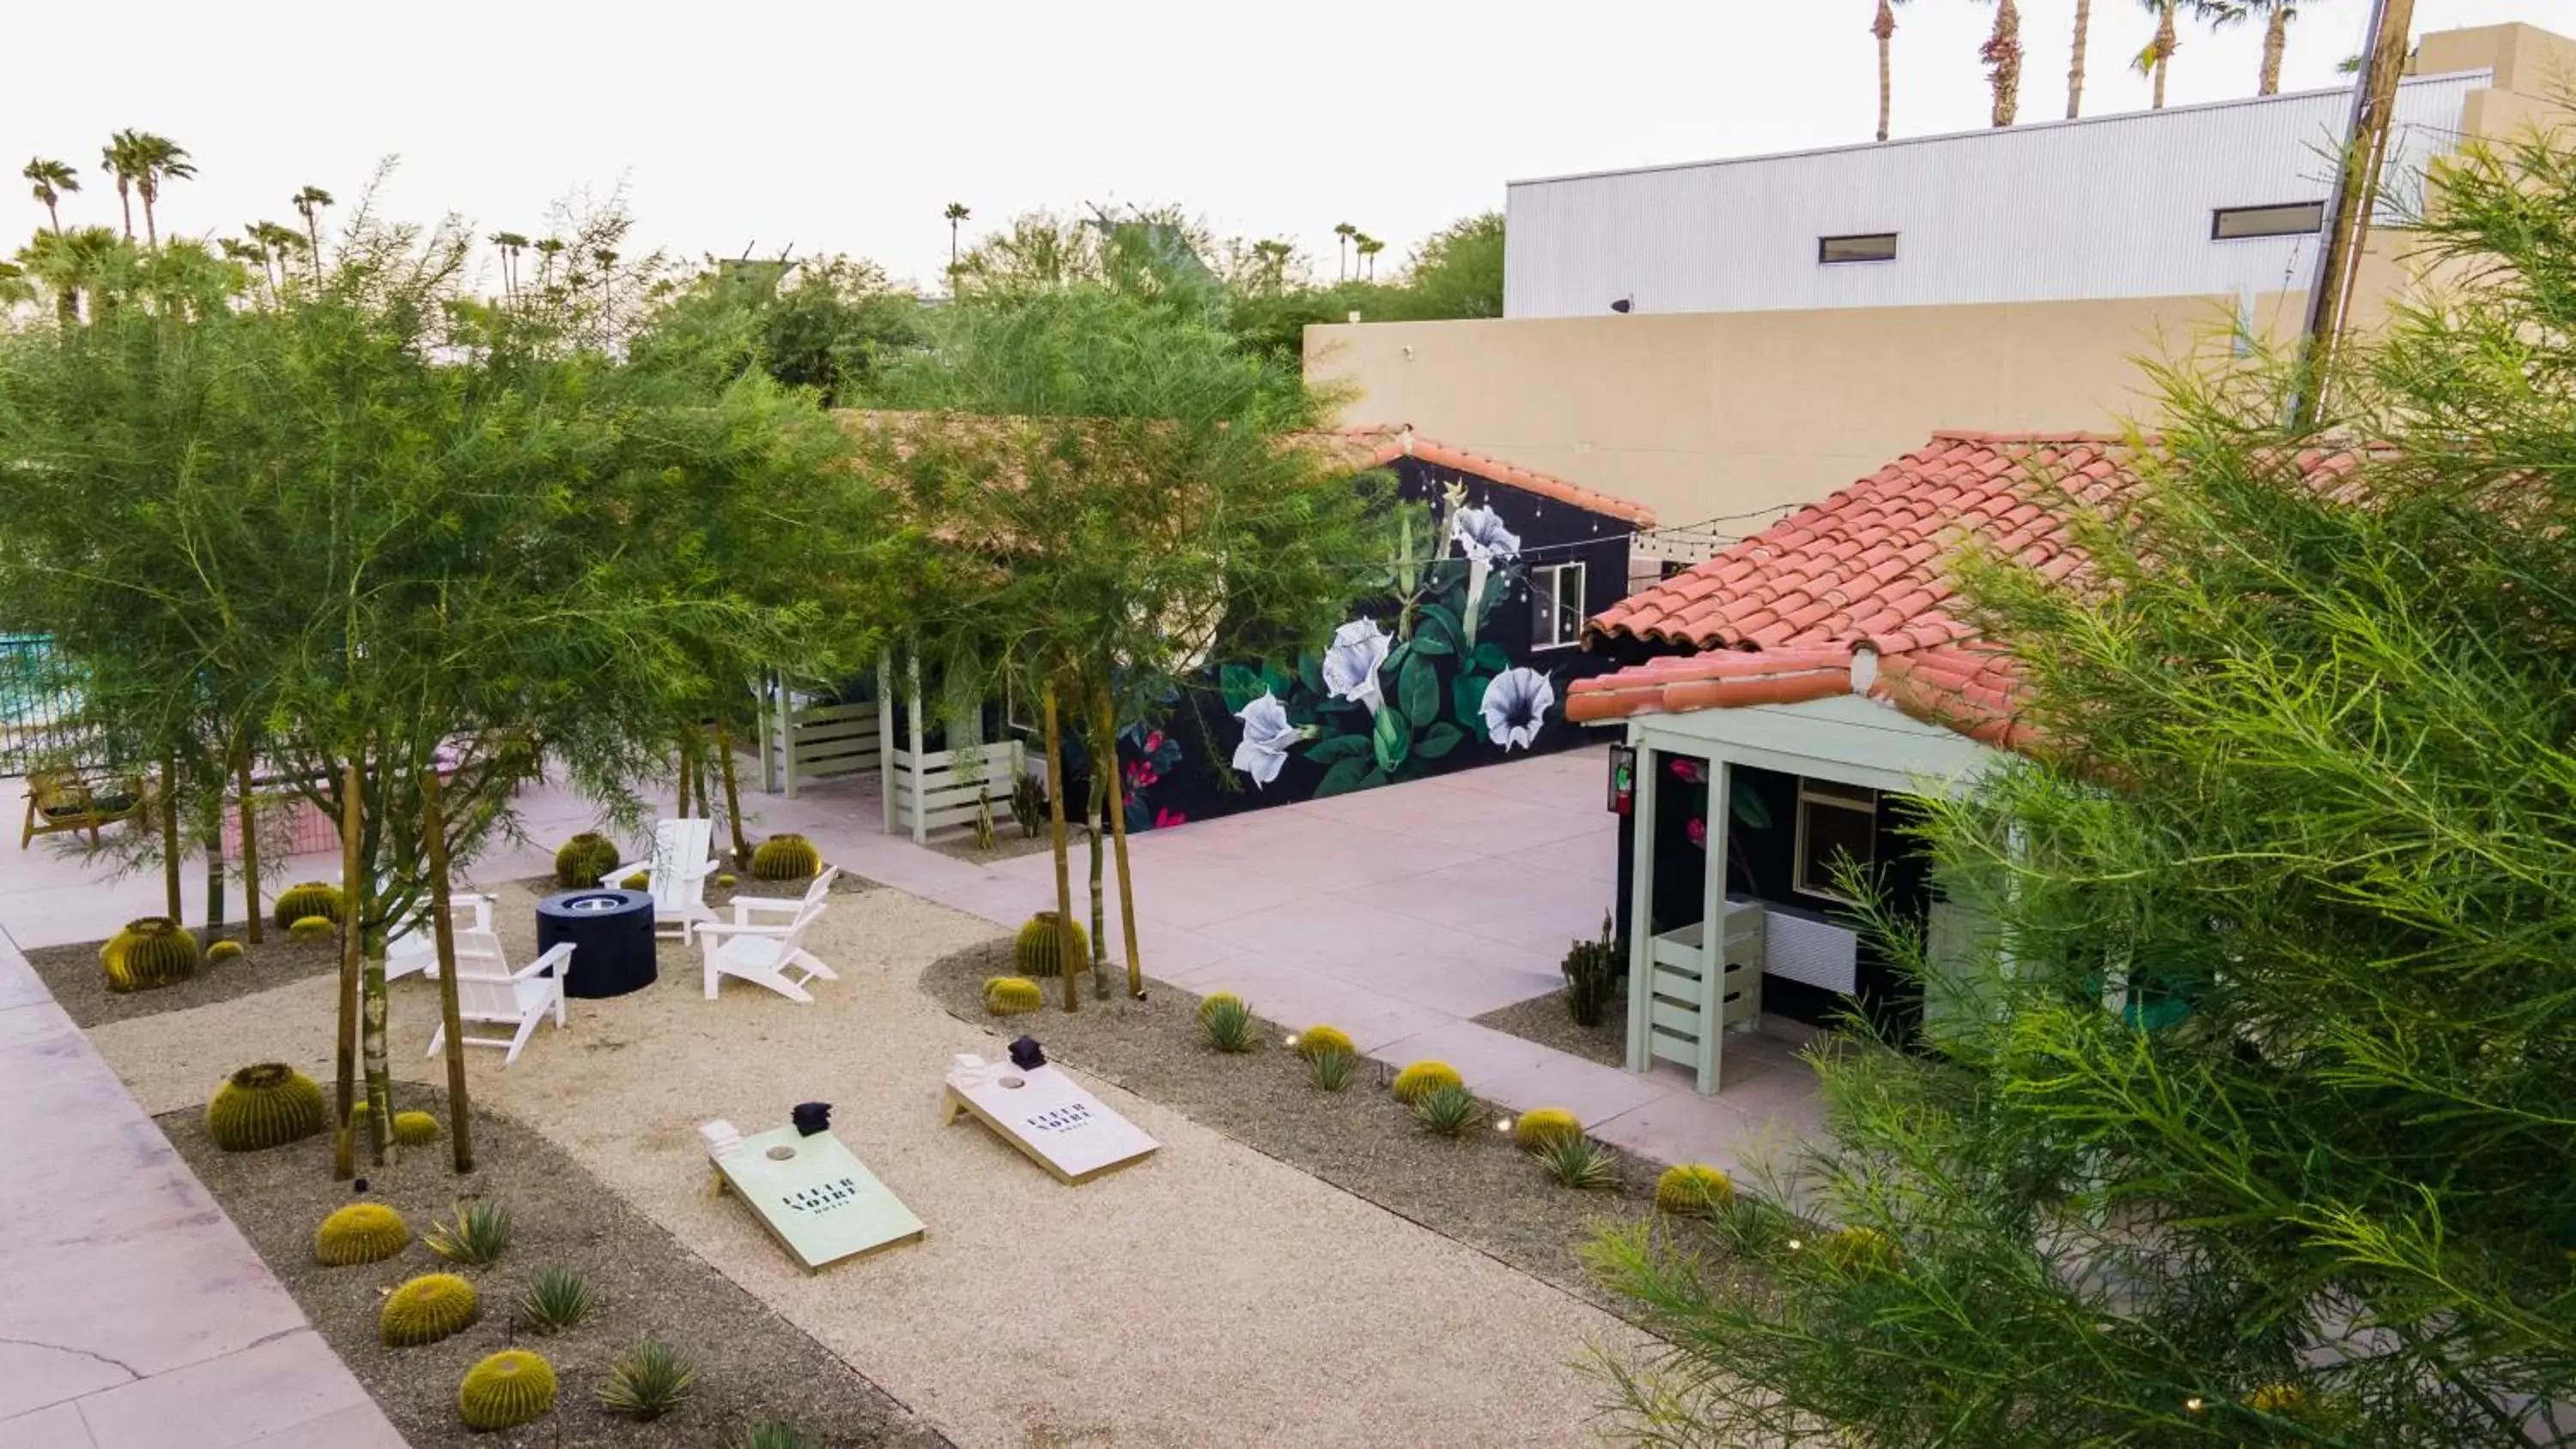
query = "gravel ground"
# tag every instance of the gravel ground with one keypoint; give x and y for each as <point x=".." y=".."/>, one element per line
<point x="752" y="1364"/>
<point x="1543" y="1019"/>
<point x="1208" y="1296"/>
<point x="844" y="884"/>
<point x="79" y="983"/>
<point x="1008" y="844"/>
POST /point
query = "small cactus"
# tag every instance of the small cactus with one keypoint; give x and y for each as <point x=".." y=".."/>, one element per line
<point x="1314" y="1041"/>
<point x="1012" y="996"/>
<point x="786" y="857"/>
<point x="311" y="929"/>
<point x="641" y="880"/>
<point x="1693" y="1190"/>
<point x="416" y="1129"/>
<point x="268" y="1105"/>
<point x="223" y="951"/>
<point x="362" y="1232"/>
<point x="727" y="881"/>
<point x="151" y="952"/>
<point x="1216" y="1001"/>
<point x="312" y="898"/>
<point x="510" y="1388"/>
<point x="1536" y="1130"/>
<point x="1861" y="1251"/>
<point x="582" y="860"/>
<point x="1039" y="949"/>
<point x="427" y="1309"/>
<point x="1028" y="805"/>
<point x="1422" y="1079"/>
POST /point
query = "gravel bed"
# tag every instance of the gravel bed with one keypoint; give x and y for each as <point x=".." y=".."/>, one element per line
<point x="79" y="984"/>
<point x="1544" y="1019"/>
<point x="752" y="1364"/>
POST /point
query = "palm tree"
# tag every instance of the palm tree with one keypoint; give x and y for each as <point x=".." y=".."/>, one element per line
<point x="511" y="244"/>
<point x="1343" y="232"/>
<point x="14" y="286"/>
<point x="956" y="214"/>
<point x="2276" y="35"/>
<point x="2157" y="58"/>
<point x="50" y="180"/>
<point x="1369" y="247"/>
<point x="158" y="159"/>
<point x="1884" y="27"/>
<point x="122" y="158"/>
<point x="2002" y="55"/>
<point x="2075" y="65"/>
<point x="310" y="202"/>
<point x="279" y="242"/>
<point x="75" y="264"/>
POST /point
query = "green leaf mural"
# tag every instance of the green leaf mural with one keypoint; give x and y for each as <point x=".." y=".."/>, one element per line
<point x="1393" y="738"/>
<point x="1467" y="697"/>
<point x="1241" y="685"/>
<point x="1419" y="690"/>
<point x="1438" y="740"/>
<point x="1490" y="658"/>
<point x="1344" y="777"/>
<point x="1340" y="748"/>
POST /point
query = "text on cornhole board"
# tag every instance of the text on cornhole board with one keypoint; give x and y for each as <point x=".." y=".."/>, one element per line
<point x="817" y="1198"/>
<point x="1047" y="1115"/>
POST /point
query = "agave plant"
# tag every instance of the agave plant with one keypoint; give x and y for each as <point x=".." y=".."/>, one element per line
<point x="1228" y="1025"/>
<point x="475" y="1236"/>
<point x="649" y="1380"/>
<point x="558" y="1300"/>
<point x="1447" y="1111"/>
<point x="1580" y="1163"/>
<point x="1330" y="1071"/>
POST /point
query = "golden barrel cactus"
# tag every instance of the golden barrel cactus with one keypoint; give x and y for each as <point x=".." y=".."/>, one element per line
<point x="1315" y="1041"/>
<point x="582" y="860"/>
<point x="1861" y="1251"/>
<point x="268" y="1105"/>
<point x="311" y="929"/>
<point x="1012" y="996"/>
<point x="510" y="1388"/>
<point x="1216" y="1001"/>
<point x="416" y="1129"/>
<point x="1693" y="1190"/>
<point x="152" y="952"/>
<point x="362" y="1232"/>
<point x="427" y="1309"/>
<point x="1039" y="949"/>
<point x="223" y="951"/>
<point x="1423" y="1078"/>
<point x="312" y="898"/>
<point x="1544" y="1127"/>
<point x="786" y="857"/>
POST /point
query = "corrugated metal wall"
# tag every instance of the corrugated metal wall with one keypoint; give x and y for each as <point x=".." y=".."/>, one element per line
<point x="2118" y="206"/>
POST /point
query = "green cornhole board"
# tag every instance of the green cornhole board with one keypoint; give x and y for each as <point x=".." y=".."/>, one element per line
<point x="817" y="1199"/>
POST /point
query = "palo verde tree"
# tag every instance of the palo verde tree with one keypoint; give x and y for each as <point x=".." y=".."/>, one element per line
<point x="2269" y="1136"/>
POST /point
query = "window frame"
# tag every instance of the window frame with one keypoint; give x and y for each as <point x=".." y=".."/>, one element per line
<point x="1546" y="613"/>
<point x="1824" y="248"/>
<point x="2218" y="216"/>
<point x="1830" y="795"/>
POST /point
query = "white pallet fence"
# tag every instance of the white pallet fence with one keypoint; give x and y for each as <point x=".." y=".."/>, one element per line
<point x="1688" y="1007"/>
<point x="940" y="792"/>
<point x="817" y="742"/>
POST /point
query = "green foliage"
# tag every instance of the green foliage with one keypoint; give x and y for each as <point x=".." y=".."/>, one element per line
<point x="265" y="1106"/>
<point x="505" y="1390"/>
<point x="149" y="953"/>
<point x="1216" y="1001"/>
<point x="1314" y="1041"/>
<point x="649" y="1380"/>
<point x="475" y="1235"/>
<point x="1012" y="996"/>
<point x="1447" y="1111"/>
<point x="1028" y="805"/>
<point x="785" y="857"/>
<point x="302" y="902"/>
<point x="416" y="1129"/>
<point x="1860" y="1252"/>
<point x="559" y="1299"/>
<point x="726" y="881"/>
<point x="1331" y="1070"/>
<point x="362" y="1232"/>
<point x="1039" y="948"/>
<point x="1458" y="273"/>
<point x="772" y="1434"/>
<point x="427" y="1309"/>
<point x="1694" y="1190"/>
<point x="223" y="951"/>
<point x="582" y="860"/>
<point x="312" y="929"/>
<point x="1578" y="1162"/>
<point x="1542" y="1127"/>
<point x="1423" y="1078"/>
<point x="1593" y="972"/>
<point x="1228" y="1024"/>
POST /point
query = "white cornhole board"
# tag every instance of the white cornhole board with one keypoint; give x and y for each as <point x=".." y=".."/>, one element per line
<point x="1047" y="1115"/>
<point x="817" y="1199"/>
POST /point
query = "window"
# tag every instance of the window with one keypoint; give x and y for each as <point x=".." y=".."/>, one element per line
<point x="1556" y="606"/>
<point x="1834" y="821"/>
<point x="1879" y="246"/>
<point x="2243" y="223"/>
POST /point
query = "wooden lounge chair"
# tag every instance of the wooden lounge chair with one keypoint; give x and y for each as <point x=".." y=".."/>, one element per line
<point x="414" y="948"/>
<point x="489" y="992"/>
<point x="60" y="800"/>
<point x="773" y="956"/>
<point x="676" y="873"/>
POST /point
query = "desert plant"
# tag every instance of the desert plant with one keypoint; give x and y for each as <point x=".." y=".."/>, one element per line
<point x="1693" y="1190"/>
<point x="1447" y="1111"/>
<point x="151" y="952"/>
<point x="510" y="1388"/>
<point x="641" y="880"/>
<point x="1039" y="949"/>
<point x="416" y="1129"/>
<point x="1860" y="1252"/>
<point x="311" y="929"/>
<point x="727" y="881"/>
<point x="1580" y="1163"/>
<point x="362" y="1232"/>
<point x="583" y="859"/>
<point x="223" y="951"/>
<point x="268" y="1105"/>
<point x="1592" y="972"/>
<point x="1028" y="805"/>
<point x="312" y="898"/>
<point x="785" y="857"/>
<point x="1228" y="1024"/>
<point x="1423" y="1078"/>
<point x="427" y="1309"/>
<point x="1315" y="1041"/>
<point x="557" y="1300"/>
<point x="771" y="1434"/>
<point x="1330" y="1071"/>
<point x="1012" y="995"/>
<point x="475" y="1236"/>
<point x="1543" y="1127"/>
<point x="649" y="1380"/>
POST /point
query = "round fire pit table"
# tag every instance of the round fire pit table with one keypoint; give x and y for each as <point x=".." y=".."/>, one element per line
<point x="612" y="938"/>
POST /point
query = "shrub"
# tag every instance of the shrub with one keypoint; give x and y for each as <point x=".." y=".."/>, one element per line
<point x="268" y="1105"/>
<point x="311" y="929"/>
<point x="1693" y="1190"/>
<point x="1012" y="995"/>
<point x="1331" y="1070"/>
<point x="1592" y="973"/>
<point x="1447" y="1111"/>
<point x="1580" y="1163"/>
<point x="1028" y="805"/>
<point x="786" y="857"/>
<point x="416" y="1129"/>
<point x="559" y="1299"/>
<point x="1537" y="1130"/>
<point x="510" y="1388"/>
<point x="583" y="859"/>
<point x="312" y="898"/>
<point x="362" y="1232"/>
<point x="427" y="1309"/>
<point x="1230" y="1027"/>
<point x="223" y="951"/>
<point x="1038" y="951"/>
<point x="649" y="1380"/>
<point x="1423" y="1078"/>
<point x="152" y="952"/>
<point x="1315" y="1041"/>
<point x="771" y="1434"/>
<point x="475" y="1236"/>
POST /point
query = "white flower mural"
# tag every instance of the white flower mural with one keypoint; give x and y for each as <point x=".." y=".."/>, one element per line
<point x="1266" y="738"/>
<point x="1516" y="705"/>
<point x="1480" y="533"/>
<point x="1350" y="666"/>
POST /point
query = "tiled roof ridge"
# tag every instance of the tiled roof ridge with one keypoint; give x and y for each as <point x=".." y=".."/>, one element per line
<point x="1387" y="442"/>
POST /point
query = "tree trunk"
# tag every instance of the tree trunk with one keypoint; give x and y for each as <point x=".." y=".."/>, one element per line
<point x="433" y="825"/>
<point x="2075" y="65"/>
<point x="733" y="792"/>
<point x="151" y="233"/>
<point x="2276" y="39"/>
<point x="1885" y="29"/>
<point x="169" y="803"/>
<point x="215" y="880"/>
<point x="688" y="734"/>
<point x="251" y="919"/>
<point x="1101" y="770"/>
<point x="1063" y="868"/>
<point x="360" y="937"/>
<point x="2165" y="43"/>
<point x="2003" y="60"/>
<point x="1118" y="832"/>
<point x="344" y="1161"/>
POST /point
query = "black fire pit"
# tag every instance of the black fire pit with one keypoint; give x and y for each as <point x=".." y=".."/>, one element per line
<point x="612" y="938"/>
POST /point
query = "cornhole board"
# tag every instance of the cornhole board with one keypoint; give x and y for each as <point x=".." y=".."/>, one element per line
<point x="816" y="1197"/>
<point x="1047" y="1115"/>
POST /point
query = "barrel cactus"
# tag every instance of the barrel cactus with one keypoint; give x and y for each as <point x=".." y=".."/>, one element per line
<point x="312" y="930"/>
<point x="510" y="1388"/>
<point x="415" y="1129"/>
<point x="152" y="952"/>
<point x="1861" y="1251"/>
<point x="1216" y="1001"/>
<point x="1316" y="1041"/>
<point x="268" y="1105"/>
<point x="1012" y="995"/>
<point x="1424" y="1078"/>
<point x="312" y="898"/>
<point x="786" y="857"/>
<point x="583" y="859"/>
<point x="1039" y="950"/>
<point x="223" y="951"/>
<point x="362" y="1232"/>
<point x="427" y="1309"/>
<point x="1693" y="1190"/>
<point x="1537" y="1130"/>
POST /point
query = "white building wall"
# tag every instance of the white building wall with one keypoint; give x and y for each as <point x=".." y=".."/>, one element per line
<point x="2114" y="206"/>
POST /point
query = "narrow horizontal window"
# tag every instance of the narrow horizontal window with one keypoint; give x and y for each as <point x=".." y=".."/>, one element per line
<point x="1878" y="246"/>
<point x="2238" y="223"/>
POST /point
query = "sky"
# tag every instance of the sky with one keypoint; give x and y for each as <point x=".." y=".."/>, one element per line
<point x="749" y="127"/>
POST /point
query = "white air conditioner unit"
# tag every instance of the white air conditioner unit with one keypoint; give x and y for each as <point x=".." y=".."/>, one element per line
<point x="1819" y="953"/>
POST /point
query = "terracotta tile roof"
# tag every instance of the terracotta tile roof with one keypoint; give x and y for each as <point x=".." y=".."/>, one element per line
<point x="1375" y="445"/>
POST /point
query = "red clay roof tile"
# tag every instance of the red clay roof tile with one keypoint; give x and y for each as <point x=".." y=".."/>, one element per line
<point x="1377" y="444"/>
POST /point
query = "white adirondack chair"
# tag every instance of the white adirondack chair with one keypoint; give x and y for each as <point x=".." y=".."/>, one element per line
<point x="773" y="956"/>
<point x="490" y="993"/>
<point x="676" y="873"/>
<point x="415" y="947"/>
